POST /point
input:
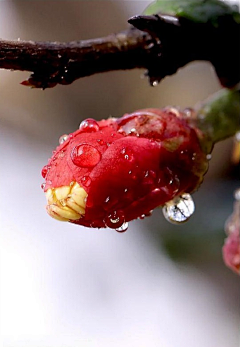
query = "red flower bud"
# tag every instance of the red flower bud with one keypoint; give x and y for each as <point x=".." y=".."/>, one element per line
<point x="113" y="171"/>
<point x="231" y="248"/>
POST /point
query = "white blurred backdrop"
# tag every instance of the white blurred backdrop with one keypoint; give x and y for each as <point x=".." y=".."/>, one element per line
<point x="63" y="285"/>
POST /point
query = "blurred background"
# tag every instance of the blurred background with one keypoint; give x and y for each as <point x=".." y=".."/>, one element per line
<point x="63" y="285"/>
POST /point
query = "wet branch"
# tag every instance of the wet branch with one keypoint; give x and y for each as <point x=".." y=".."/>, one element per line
<point x="62" y="63"/>
<point x="159" y="44"/>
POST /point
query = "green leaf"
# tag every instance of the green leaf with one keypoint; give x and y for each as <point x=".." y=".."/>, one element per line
<point x="200" y="11"/>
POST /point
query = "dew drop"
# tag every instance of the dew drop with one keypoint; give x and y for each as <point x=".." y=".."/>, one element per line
<point x="63" y="138"/>
<point x="148" y="214"/>
<point x="85" y="155"/>
<point x="122" y="228"/>
<point x="110" y="202"/>
<point x="180" y="209"/>
<point x="154" y="83"/>
<point x="155" y="191"/>
<point x="115" y="220"/>
<point x="188" y="112"/>
<point x="60" y="155"/>
<point x="107" y="200"/>
<point x="209" y="156"/>
<point x="237" y="136"/>
<point x="86" y="181"/>
<point x="194" y="156"/>
<point x="43" y="185"/>
<point x="237" y="194"/>
<point x="45" y="171"/>
<point x="127" y="154"/>
<point x="151" y="45"/>
<point x="101" y="142"/>
<point x="129" y="128"/>
<point x="89" y="125"/>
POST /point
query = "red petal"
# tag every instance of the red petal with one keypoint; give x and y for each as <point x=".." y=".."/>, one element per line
<point x="130" y="165"/>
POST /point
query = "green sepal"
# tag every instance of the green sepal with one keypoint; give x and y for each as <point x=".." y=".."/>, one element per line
<point x="200" y="11"/>
<point x="219" y="116"/>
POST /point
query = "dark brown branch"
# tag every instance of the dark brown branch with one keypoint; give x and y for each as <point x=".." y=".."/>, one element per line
<point x="62" y="63"/>
<point x="160" y="44"/>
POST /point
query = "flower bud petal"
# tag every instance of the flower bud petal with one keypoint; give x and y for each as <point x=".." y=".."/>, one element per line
<point x="123" y="167"/>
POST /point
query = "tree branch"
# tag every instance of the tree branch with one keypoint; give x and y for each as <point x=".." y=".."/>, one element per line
<point x="62" y="63"/>
<point x="158" y="43"/>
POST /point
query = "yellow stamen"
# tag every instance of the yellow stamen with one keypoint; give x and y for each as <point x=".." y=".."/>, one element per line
<point x="67" y="202"/>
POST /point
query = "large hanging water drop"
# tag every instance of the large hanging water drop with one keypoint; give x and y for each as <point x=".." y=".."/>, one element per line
<point x="85" y="155"/>
<point x="122" y="228"/>
<point x="89" y="125"/>
<point x="180" y="209"/>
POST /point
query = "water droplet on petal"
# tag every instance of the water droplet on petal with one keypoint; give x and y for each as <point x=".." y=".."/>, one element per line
<point x="107" y="200"/>
<point x="209" y="156"/>
<point x="151" y="45"/>
<point x="180" y="209"/>
<point x="237" y="136"/>
<point x="154" y="83"/>
<point x="194" y="156"/>
<point x="85" y="155"/>
<point x="122" y="228"/>
<point x="101" y="142"/>
<point x="189" y="112"/>
<point x="237" y="194"/>
<point x="115" y="220"/>
<point x="45" y="171"/>
<point x="148" y="214"/>
<point x="86" y="181"/>
<point x="63" y="138"/>
<point x="155" y="191"/>
<point x="89" y="125"/>
<point x="127" y="154"/>
<point x="110" y="202"/>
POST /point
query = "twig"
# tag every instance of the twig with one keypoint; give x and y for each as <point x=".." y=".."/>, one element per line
<point x="160" y="44"/>
<point x="62" y="63"/>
